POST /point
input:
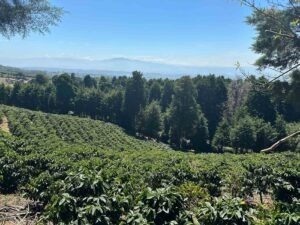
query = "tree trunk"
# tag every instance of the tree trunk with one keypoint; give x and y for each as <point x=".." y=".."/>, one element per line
<point x="274" y="146"/>
<point x="261" y="198"/>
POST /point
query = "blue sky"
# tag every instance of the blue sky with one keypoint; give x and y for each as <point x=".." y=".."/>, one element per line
<point x="189" y="32"/>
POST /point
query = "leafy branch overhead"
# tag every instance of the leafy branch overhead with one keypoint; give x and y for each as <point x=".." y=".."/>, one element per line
<point x="26" y="16"/>
<point x="278" y="34"/>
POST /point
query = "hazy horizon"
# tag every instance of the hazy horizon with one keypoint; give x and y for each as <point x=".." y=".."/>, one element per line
<point x="197" y="34"/>
<point x="124" y="66"/>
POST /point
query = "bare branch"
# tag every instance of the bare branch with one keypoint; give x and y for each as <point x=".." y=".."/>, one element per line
<point x="284" y="73"/>
<point x="274" y="146"/>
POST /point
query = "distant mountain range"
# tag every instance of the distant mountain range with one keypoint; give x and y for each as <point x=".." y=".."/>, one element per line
<point x="8" y="70"/>
<point x="120" y="66"/>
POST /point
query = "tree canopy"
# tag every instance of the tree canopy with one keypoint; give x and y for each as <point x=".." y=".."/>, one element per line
<point x="182" y="115"/>
<point x="26" y="16"/>
<point x="134" y="99"/>
<point x="278" y="34"/>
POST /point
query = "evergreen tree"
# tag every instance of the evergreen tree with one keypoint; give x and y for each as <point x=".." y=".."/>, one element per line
<point x="104" y="84"/>
<point x="222" y="136"/>
<point x="24" y="17"/>
<point x="212" y="95"/>
<point x="96" y="105"/>
<point x="279" y="90"/>
<point x="14" y="94"/>
<point x="167" y="93"/>
<point x="149" y="120"/>
<point x="114" y="101"/>
<point x="41" y="79"/>
<point x="166" y="127"/>
<point x="81" y="102"/>
<point x="49" y="99"/>
<point x="134" y="99"/>
<point x="285" y="96"/>
<point x="155" y="92"/>
<point x="4" y="94"/>
<point x="277" y="26"/>
<point x="89" y="82"/>
<point x="242" y="134"/>
<point x="252" y="133"/>
<point x="90" y="102"/>
<point x="259" y="104"/>
<point x="184" y="112"/>
<point x="265" y="134"/>
<point x="199" y="139"/>
<point x="65" y="92"/>
<point x="294" y="94"/>
<point x="280" y="127"/>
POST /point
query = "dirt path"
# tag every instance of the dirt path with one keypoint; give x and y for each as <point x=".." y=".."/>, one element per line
<point x="4" y="125"/>
<point x="14" y="211"/>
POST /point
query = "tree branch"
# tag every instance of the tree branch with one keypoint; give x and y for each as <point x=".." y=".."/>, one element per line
<point x="293" y="5"/>
<point x="280" y="142"/>
<point x="252" y="4"/>
<point x="282" y="74"/>
<point x="281" y="34"/>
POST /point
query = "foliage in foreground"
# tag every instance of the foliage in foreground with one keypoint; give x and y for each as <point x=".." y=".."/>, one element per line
<point x="79" y="172"/>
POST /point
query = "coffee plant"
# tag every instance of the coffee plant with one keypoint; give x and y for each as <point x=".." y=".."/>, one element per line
<point x="82" y="171"/>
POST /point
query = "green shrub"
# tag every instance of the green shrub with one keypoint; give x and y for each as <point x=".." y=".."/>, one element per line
<point x="259" y="180"/>
<point x="80" y="198"/>
<point x="161" y="205"/>
<point x="226" y="211"/>
<point x="193" y="193"/>
<point x="287" y="185"/>
<point x="212" y="181"/>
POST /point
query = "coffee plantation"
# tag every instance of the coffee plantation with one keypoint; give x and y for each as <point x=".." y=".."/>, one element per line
<point x="82" y="171"/>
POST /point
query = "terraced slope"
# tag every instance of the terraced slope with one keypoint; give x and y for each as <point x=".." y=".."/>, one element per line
<point x="62" y="129"/>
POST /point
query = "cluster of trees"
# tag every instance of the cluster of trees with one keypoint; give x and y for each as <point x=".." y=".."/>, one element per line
<point x="257" y="118"/>
<point x="257" y="109"/>
<point x="189" y="113"/>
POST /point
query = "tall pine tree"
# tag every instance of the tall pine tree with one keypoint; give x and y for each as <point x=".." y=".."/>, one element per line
<point x="134" y="99"/>
<point x="184" y="113"/>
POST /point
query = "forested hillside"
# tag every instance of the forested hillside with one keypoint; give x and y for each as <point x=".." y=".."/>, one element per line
<point x="204" y="113"/>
